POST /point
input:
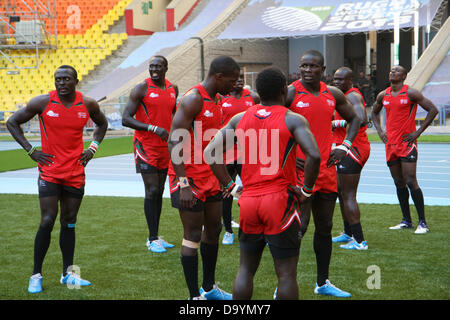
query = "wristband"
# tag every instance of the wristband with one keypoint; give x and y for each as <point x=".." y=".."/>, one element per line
<point x="305" y="192"/>
<point x="234" y="191"/>
<point x="347" y="143"/>
<point x="343" y="147"/>
<point x="308" y="189"/>
<point x="184" y="182"/>
<point x="31" y="151"/>
<point x="230" y="184"/>
<point x="93" y="147"/>
<point x="152" y="128"/>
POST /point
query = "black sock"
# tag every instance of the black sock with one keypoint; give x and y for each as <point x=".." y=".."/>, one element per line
<point x="347" y="229"/>
<point x="67" y="245"/>
<point x="322" y="248"/>
<point x="190" y="268"/>
<point x="357" y="232"/>
<point x="151" y="206"/>
<point x="418" y="200"/>
<point x="209" y="260"/>
<point x="41" y="244"/>
<point x="403" y="199"/>
<point x="227" y="204"/>
<point x="159" y="210"/>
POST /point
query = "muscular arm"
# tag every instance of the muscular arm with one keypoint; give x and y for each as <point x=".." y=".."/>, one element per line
<point x="417" y="97"/>
<point x="100" y="130"/>
<point x="35" y="107"/>
<point x="358" y="104"/>
<point x="302" y="135"/>
<point x="375" y="116"/>
<point x="136" y="96"/>
<point x="189" y="107"/>
<point x="290" y="96"/>
<point x="214" y="151"/>
<point x="346" y="110"/>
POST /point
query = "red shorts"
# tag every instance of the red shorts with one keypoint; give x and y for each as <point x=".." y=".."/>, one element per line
<point x="272" y="218"/>
<point x="205" y="189"/>
<point x="150" y="159"/>
<point x="400" y="152"/>
<point x="77" y="181"/>
<point x="326" y="181"/>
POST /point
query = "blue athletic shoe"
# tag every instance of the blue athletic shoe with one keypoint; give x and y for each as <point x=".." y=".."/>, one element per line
<point x="164" y="243"/>
<point x="35" y="285"/>
<point x="353" y="245"/>
<point x="275" y="293"/>
<point x="343" y="237"/>
<point x="330" y="290"/>
<point x="216" y="294"/>
<point x="228" y="238"/>
<point x="155" y="246"/>
<point x="73" y="279"/>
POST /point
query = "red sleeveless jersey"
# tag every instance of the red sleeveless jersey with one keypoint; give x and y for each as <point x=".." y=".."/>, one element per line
<point x="339" y="133"/>
<point x="62" y="136"/>
<point x="155" y="108"/>
<point x="319" y="113"/>
<point x="400" y="115"/>
<point x="230" y="107"/>
<point x="204" y="127"/>
<point x="268" y="150"/>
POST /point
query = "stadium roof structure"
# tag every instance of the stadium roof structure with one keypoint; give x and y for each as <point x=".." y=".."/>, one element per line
<point x="294" y="19"/>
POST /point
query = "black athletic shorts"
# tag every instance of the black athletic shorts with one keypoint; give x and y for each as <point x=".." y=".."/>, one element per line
<point x="143" y="167"/>
<point x="50" y="189"/>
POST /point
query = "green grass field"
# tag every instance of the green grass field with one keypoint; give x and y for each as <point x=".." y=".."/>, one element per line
<point x="111" y="253"/>
<point x="18" y="159"/>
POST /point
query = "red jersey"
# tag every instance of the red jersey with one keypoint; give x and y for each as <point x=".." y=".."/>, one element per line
<point x="319" y="113"/>
<point x="155" y="108"/>
<point x="62" y="136"/>
<point x="400" y="115"/>
<point x="204" y="127"/>
<point x="340" y="133"/>
<point x="230" y="107"/>
<point x="268" y="163"/>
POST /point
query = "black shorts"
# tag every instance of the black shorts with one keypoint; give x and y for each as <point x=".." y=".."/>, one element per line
<point x="348" y="166"/>
<point x="50" y="189"/>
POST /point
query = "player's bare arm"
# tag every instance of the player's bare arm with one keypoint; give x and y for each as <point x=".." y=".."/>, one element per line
<point x="34" y="107"/>
<point x="255" y="97"/>
<point x="300" y="130"/>
<point x="300" y="163"/>
<point x="375" y="116"/>
<point x="416" y="96"/>
<point x="347" y="111"/>
<point x="358" y="104"/>
<point x="137" y="94"/>
<point x="100" y="130"/>
<point x="190" y="105"/>
<point x="219" y="142"/>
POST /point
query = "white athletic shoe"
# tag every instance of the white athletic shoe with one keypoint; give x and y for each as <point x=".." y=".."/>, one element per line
<point x="234" y="224"/>
<point x="422" y="228"/>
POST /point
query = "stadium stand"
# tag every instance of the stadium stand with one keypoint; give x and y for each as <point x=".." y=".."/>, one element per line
<point x="82" y="41"/>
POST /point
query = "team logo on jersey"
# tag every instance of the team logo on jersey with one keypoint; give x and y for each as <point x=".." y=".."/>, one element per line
<point x="153" y="95"/>
<point x="82" y="115"/>
<point x="385" y="103"/>
<point x="208" y="114"/>
<point x="248" y="103"/>
<point x="53" y="114"/>
<point x="404" y="101"/>
<point x="226" y="105"/>
<point x="262" y="114"/>
<point x="172" y="95"/>
<point x="302" y="104"/>
<point x="331" y="103"/>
